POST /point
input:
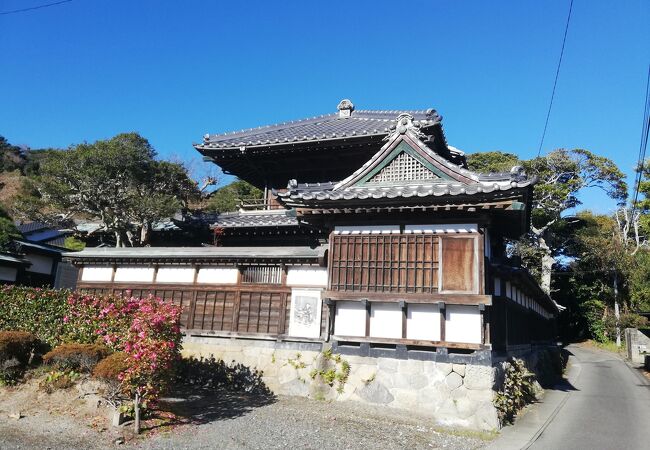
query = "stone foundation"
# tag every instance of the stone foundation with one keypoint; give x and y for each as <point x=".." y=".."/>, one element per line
<point x="452" y="393"/>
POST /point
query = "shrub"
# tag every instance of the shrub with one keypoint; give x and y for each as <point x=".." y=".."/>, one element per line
<point x="110" y="371"/>
<point x="38" y="311"/>
<point x="518" y="390"/>
<point x="111" y="367"/>
<point x="82" y="357"/>
<point x="17" y="345"/>
<point x="16" y="350"/>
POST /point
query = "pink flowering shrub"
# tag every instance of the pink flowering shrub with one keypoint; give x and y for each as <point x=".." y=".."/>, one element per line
<point x="146" y="329"/>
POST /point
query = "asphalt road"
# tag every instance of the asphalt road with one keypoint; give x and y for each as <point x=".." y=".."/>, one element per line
<point x="609" y="408"/>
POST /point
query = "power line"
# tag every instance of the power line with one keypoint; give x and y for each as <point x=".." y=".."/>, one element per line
<point x="16" y="11"/>
<point x="645" y="130"/>
<point x="557" y="74"/>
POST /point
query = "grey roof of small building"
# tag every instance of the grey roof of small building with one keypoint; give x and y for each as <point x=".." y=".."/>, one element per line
<point x="198" y="253"/>
<point x="250" y="219"/>
<point x="13" y="260"/>
<point x="321" y="128"/>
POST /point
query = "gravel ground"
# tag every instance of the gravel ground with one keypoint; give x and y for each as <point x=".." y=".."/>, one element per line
<point x="232" y="421"/>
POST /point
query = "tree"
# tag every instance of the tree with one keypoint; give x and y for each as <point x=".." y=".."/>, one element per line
<point x="116" y="181"/>
<point x="12" y="157"/>
<point x="8" y="231"/>
<point x="226" y="198"/>
<point x="562" y="175"/>
<point x="492" y="162"/>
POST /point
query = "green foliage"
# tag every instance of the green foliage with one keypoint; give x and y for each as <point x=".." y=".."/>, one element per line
<point x="226" y="198"/>
<point x="334" y="370"/>
<point x="594" y="312"/>
<point x="517" y="391"/>
<point x="12" y="157"/>
<point x="8" y="230"/>
<point x="74" y="244"/>
<point x="59" y="379"/>
<point x="38" y="311"/>
<point x="492" y="162"/>
<point x="639" y="281"/>
<point x="117" y="182"/>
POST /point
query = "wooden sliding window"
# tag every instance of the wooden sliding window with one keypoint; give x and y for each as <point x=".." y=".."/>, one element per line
<point x="262" y="275"/>
<point x="384" y="263"/>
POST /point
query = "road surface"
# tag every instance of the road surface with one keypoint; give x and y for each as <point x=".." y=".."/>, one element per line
<point x="609" y="408"/>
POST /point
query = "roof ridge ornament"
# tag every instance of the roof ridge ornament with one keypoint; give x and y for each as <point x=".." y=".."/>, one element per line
<point x="345" y="108"/>
<point x="403" y="124"/>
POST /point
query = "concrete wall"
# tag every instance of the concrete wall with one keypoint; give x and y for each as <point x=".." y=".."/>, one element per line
<point x="454" y="394"/>
<point x="637" y="345"/>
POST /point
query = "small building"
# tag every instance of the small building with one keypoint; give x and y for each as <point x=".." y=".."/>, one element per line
<point x="374" y="241"/>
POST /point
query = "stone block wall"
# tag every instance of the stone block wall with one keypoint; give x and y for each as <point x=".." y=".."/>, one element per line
<point x="453" y="394"/>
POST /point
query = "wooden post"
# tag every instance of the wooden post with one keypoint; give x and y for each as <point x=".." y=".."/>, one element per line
<point x="403" y="306"/>
<point x="136" y="413"/>
<point x="443" y="319"/>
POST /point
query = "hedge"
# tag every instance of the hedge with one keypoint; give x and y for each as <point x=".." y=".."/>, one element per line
<point x="35" y="310"/>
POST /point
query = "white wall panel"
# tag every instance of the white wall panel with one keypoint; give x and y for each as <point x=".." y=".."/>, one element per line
<point x="8" y="273"/>
<point x="305" y="317"/>
<point x="218" y="275"/>
<point x="307" y="276"/>
<point x="175" y="275"/>
<point x="40" y="264"/>
<point x="386" y="320"/>
<point x="463" y="324"/>
<point x="94" y="273"/>
<point x="134" y="274"/>
<point x="423" y="322"/>
<point x="350" y="319"/>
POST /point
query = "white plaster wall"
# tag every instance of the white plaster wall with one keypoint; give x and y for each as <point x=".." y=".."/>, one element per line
<point x="218" y="275"/>
<point x="40" y="264"/>
<point x="463" y="324"/>
<point x="175" y="275"/>
<point x="367" y="229"/>
<point x="350" y="319"/>
<point x="93" y="273"/>
<point x="8" y="273"/>
<point x="442" y="228"/>
<point x="307" y="276"/>
<point x="423" y="322"/>
<point x="385" y="320"/>
<point x="134" y="274"/>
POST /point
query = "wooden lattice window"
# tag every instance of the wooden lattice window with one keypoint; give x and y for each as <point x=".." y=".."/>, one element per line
<point x="403" y="168"/>
<point x="384" y="263"/>
<point x="262" y="275"/>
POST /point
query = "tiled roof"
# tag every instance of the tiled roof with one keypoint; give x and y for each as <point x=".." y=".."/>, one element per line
<point x="307" y="193"/>
<point x="198" y="253"/>
<point x="325" y="127"/>
<point x="272" y="218"/>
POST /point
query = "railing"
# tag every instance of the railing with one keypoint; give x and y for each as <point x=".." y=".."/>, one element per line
<point x="256" y="204"/>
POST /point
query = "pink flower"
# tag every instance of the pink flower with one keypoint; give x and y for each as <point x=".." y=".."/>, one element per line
<point x="65" y="319"/>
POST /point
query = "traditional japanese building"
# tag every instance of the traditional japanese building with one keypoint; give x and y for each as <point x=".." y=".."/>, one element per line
<point x="373" y="239"/>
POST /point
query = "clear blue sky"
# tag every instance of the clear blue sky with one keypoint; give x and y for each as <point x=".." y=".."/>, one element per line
<point x="89" y="69"/>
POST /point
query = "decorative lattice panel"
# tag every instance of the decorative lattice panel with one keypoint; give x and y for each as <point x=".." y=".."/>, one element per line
<point x="403" y="168"/>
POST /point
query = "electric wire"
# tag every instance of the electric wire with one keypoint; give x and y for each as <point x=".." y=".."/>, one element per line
<point x="557" y="74"/>
<point x="16" y="11"/>
<point x="645" y="130"/>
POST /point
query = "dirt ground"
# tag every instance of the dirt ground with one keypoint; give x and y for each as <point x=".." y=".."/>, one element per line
<point x="76" y="419"/>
